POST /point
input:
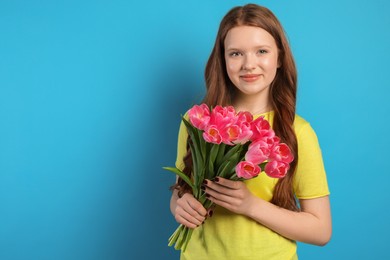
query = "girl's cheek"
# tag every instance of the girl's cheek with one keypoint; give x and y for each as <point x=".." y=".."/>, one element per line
<point x="233" y="66"/>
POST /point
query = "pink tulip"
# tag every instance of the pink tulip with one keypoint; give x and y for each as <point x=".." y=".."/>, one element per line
<point x="222" y="119"/>
<point x="199" y="116"/>
<point x="245" y="133"/>
<point x="247" y="170"/>
<point x="222" y="116"/>
<point x="243" y="121"/>
<point x="270" y="141"/>
<point x="276" y="169"/>
<point x="244" y="117"/>
<point x="261" y="128"/>
<point x="257" y="152"/>
<point x="281" y="152"/>
<point x="212" y="135"/>
<point x="230" y="134"/>
<point x="236" y="134"/>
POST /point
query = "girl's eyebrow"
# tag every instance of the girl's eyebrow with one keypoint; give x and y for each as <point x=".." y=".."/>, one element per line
<point x="233" y="49"/>
<point x="239" y="49"/>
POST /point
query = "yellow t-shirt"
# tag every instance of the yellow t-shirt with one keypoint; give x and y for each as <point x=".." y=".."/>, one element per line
<point x="227" y="235"/>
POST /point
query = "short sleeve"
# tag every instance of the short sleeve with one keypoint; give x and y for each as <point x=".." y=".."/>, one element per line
<point x="310" y="177"/>
<point x="181" y="146"/>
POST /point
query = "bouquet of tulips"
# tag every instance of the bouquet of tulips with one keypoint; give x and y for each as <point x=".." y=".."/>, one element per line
<point x="230" y="145"/>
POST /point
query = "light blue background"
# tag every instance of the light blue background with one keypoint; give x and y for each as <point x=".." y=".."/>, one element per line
<point x="91" y="94"/>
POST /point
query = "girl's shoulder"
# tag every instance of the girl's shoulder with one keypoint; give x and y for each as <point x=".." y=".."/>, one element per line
<point x="301" y="124"/>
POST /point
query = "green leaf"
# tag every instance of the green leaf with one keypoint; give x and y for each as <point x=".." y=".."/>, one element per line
<point x="195" y="160"/>
<point x="199" y="150"/>
<point x="202" y="143"/>
<point x="233" y="150"/>
<point x="227" y="168"/>
<point x="221" y="152"/>
<point x="181" y="175"/>
<point x="211" y="160"/>
<point x="262" y="165"/>
<point x="193" y="133"/>
<point x="210" y="170"/>
<point x="223" y="168"/>
<point x="196" y="148"/>
<point x="214" y="152"/>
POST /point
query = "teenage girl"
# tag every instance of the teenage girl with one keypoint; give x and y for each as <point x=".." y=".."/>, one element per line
<point x="251" y="67"/>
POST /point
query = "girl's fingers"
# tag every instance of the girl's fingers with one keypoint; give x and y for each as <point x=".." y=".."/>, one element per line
<point x="187" y="219"/>
<point x="185" y="222"/>
<point x="197" y="206"/>
<point x="235" y="185"/>
<point x="190" y="212"/>
<point x="222" y="186"/>
<point x="219" y="196"/>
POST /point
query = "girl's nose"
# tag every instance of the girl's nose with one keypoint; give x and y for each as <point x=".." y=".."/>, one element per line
<point x="249" y="62"/>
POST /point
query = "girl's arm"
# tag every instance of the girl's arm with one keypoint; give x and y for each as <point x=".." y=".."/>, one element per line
<point x="312" y="225"/>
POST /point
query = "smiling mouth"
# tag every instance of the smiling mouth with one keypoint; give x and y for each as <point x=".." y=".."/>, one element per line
<point x="250" y="77"/>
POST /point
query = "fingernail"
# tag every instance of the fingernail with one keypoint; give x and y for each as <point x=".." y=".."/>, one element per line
<point x="203" y="188"/>
<point x="205" y="182"/>
<point x="216" y="179"/>
<point x="210" y="213"/>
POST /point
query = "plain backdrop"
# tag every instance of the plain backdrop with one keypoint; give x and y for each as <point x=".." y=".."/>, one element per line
<point x="91" y="94"/>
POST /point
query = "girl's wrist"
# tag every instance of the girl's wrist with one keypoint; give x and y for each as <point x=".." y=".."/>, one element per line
<point x="255" y="208"/>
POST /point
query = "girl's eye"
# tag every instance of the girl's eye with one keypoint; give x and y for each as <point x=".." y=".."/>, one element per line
<point x="263" y="51"/>
<point x="235" y="54"/>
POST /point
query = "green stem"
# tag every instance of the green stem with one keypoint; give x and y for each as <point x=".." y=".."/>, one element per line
<point x="181" y="238"/>
<point x="173" y="239"/>
<point x="187" y="239"/>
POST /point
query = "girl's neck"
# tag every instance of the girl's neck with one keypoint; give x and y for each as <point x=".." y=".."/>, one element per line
<point x="255" y="106"/>
<point x="254" y="110"/>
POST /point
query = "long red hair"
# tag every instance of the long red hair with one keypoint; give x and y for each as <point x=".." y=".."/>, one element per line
<point x="220" y="90"/>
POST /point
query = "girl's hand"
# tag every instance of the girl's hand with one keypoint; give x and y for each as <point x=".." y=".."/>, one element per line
<point x="189" y="211"/>
<point x="232" y="195"/>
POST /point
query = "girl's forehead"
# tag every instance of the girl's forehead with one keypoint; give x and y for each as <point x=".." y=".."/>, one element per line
<point x="246" y="36"/>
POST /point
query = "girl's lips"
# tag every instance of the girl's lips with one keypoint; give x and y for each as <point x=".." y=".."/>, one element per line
<point x="250" y="77"/>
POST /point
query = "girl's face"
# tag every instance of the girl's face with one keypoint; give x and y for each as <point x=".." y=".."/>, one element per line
<point x="251" y="58"/>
